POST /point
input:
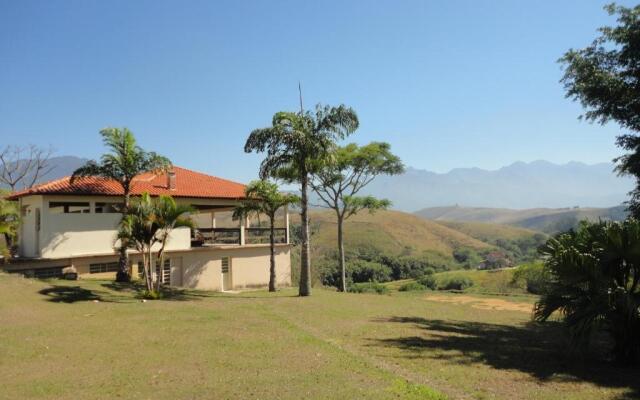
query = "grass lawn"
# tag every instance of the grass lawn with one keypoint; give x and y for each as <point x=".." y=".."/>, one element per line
<point x="57" y="342"/>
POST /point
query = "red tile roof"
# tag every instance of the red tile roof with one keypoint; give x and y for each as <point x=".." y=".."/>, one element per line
<point x="188" y="184"/>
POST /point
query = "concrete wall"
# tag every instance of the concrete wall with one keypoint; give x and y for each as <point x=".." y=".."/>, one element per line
<point x="76" y="235"/>
<point x="199" y="268"/>
<point x="28" y="237"/>
<point x="249" y="267"/>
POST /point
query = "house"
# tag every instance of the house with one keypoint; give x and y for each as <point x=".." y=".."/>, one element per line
<point x="64" y="224"/>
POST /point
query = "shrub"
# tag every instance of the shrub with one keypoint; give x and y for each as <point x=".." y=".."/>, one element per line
<point x="428" y="281"/>
<point x="368" y="287"/>
<point x="150" y="295"/>
<point x="531" y="277"/>
<point x="455" y="283"/>
<point x="411" y="287"/>
<point x="365" y="271"/>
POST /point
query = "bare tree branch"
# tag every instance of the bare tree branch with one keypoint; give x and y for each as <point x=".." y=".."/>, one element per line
<point x="21" y="167"/>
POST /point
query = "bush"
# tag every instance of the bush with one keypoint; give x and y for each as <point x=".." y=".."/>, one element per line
<point x="412" y="287"/>
<point x="428" y="281"/>
<point x="368" y="271"/>
<point x="455" y="283"/>
<point x="531" y="277"/>
<point x="368" y="287"/>
<point x="150" y="295"/>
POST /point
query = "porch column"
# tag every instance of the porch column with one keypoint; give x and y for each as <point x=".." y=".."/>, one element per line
<point x="242" y="225"/>
<point x="286" y="224"/>
<point x="213" y="219"/>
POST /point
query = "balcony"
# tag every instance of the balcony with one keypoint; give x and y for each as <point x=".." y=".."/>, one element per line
<point x="232" y="236"/>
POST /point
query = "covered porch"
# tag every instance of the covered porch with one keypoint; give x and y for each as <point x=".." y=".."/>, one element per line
<point x="215" y="226"/>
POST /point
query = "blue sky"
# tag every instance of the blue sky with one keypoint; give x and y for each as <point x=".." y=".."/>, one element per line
<point x="448" y="83"/>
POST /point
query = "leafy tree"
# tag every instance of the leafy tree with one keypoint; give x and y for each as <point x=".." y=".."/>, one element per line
<point x="266" y="199"/>
<point x="148" y="223"/>
<point x="294" y="144"/>
<point x="9" y="220"/>
<point x="123" y="163"/>
<point x="593" y="276"/>
<point x="605" y="77"/>
<point x="342" y="175"/>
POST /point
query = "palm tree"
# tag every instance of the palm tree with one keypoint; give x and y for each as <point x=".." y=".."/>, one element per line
<point x="294" y="143"/>
<point x="123" y="163"/>
<point x="265" y="199"/>
<point x="594" y="284"/>
<point x="149" y="223"/>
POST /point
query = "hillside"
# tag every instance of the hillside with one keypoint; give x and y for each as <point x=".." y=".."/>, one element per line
<point x="489" y="232"/>
<point x="402" y="234"/>
<point x="549" y="220"/>
<point x="391" y="232"/>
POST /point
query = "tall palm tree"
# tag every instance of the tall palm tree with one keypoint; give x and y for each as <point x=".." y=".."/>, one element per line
<point x="265" y="199"/>
<point x="149" y="223"/>
<point x="124" y="161"/>
<point x="294" y="144"/>
<point x="594" y="284"/>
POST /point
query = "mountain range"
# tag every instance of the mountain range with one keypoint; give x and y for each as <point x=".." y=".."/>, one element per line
<point x="548" y="220"/>
<point x="517" y="186"/>
<point x="539" y="184"/>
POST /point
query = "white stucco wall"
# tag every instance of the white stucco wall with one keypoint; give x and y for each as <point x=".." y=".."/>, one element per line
<point x="73" y="235"/>
<point x="28" y="237"/>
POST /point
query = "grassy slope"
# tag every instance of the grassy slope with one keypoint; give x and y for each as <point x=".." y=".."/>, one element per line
<point x="390" y="232"/>
<point x="487" y="231"/>
<point x="256" y="345"/>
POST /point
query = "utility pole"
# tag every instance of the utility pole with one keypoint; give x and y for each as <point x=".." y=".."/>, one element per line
<point x="300" y="92"/>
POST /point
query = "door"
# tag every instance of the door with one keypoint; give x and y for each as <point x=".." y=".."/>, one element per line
<point x="37" y="229"/>
<point x="226" y="274"/>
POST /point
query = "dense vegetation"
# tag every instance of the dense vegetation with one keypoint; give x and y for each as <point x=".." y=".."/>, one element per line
<point x="594" y="282"/>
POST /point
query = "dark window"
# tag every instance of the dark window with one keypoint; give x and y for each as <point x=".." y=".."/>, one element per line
<point x="45" y="273"/>
<point x="69" y="207"/>
<point x="103" y="267"/>
<point x="108" y="208"/>
<point x="225" y="265"/>
<point x="166" y="271"/>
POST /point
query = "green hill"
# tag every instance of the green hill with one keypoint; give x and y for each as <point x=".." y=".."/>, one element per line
<point x="397" y="233"/>
<point x="392" y="232"/>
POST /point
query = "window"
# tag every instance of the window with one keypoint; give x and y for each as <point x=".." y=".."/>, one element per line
<point x="166" y="271"/>
<point x="108" y="208"/>
<point x="69" y="207"/>
<point x="45" y="273"/>
<point x="103" y="267"/>
<point x="225" y="265"/>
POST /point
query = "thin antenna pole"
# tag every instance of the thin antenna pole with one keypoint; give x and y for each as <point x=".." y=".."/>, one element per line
<point x="300" y="92"/>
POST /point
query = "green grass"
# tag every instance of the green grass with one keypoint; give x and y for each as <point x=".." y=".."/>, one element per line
<point x="95" y="340"/>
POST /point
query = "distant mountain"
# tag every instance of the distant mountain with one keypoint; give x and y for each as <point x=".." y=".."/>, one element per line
<point x="61" y="166"/>
<point x="519" y="185"/>
<point x="549" y="220"/>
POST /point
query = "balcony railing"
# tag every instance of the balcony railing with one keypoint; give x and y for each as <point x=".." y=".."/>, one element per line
<point x="222" y="236"/>
<point x="261" y="235"/>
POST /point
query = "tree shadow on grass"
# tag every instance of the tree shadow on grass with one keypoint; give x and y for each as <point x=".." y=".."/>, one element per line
<point x="69" y="294"/>
<point x="536" y="349"/>
<point x="135" y="289"/>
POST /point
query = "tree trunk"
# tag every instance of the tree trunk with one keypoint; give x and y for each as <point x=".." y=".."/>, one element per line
<point x="272" y="256"/>
<point x="343" y="269"/>
<point x="305" y="262"/>
<point x="123" y="274"/>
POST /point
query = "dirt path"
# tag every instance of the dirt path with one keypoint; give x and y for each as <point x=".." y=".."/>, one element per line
<point x="483" y="303"/>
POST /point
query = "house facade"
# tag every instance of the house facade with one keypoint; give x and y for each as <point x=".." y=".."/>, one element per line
<point x="67" y="224"/>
